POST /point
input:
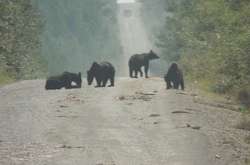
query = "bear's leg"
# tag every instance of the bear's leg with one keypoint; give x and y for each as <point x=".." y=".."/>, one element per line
<point x="182" y="84"/>
<point x="141" y="73"/>
<point x="104" y="82"/>
<point x="176" y="84"/>
<point x="169" y="84"/>
<point x="136" y="73"/>
<point x="112" y="81"/>
<point x="146" y="70"/>
<point x="98" y="82"/>
<point x="130" y="72"/>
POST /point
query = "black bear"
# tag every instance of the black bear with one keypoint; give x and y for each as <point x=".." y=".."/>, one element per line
<point x="174" y="77"/>
<point x="139" y="60"/>
<point x="64" y="80"/>
<point x="102" y="72"/>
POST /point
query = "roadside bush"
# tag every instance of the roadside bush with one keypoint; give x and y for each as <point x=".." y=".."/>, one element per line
<point x="210" y="39"/>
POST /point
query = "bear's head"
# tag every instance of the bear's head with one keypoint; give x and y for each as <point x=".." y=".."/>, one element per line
<point x="174" y="67"/>
<point x="77" y="79"/>
<point x="152" y="55"/>
<point x="92" y="72"/>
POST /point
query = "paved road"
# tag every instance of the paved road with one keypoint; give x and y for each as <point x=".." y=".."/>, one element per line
<point x="130" y="124"/>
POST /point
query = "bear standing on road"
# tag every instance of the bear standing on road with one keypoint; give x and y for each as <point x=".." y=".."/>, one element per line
<point x="174" y="77"/>
<point x="102" y="72"/>
<point x="64" y="80"/>
<point x="139" y="60"/>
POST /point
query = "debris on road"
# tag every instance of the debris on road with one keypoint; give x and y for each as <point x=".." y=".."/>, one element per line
<point x="181" y="93"/>
<point x="137" y="96"/>
<point x="154" y="115"/>
<point x="196" y="127"/>
<point x="193" y="127"/>
<point x="71" y="147"/>
<point x="69" y="99"/>
<point x="144" y="93"/>
<point x="121" y="98"/>
<point x="191" y="109"/>
<point x="217" y="156"/>
<point x="176" y="112"/>
<point x="64" y="106"/>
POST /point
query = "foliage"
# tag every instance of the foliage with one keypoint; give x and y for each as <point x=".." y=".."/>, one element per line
<point x="20" y="26"/>
<point x="211" y="39"/>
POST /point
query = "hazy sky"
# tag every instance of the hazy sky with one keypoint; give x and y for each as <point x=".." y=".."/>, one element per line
<point x="125" y="1"/>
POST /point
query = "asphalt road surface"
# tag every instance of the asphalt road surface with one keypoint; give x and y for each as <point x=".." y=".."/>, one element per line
<point x="137" y="122"/>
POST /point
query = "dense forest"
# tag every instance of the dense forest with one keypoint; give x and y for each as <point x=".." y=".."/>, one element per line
<point x="43" y="37"/>
<point x="209" y="39"/>
<point x="20" y="27"/>
<point x="78" y="32"/>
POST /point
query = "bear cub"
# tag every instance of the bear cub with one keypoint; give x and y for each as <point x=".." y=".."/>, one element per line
<point x="174" y="77"/>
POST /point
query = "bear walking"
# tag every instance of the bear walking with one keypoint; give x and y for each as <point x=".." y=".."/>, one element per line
<point x="174" y="77"/>
<point x="64" y="80"/>
<point x="102" y="72"/>
<point x="140" y="60"/>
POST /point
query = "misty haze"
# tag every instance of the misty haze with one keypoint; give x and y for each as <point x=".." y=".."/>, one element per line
<point x="124" y="82"/>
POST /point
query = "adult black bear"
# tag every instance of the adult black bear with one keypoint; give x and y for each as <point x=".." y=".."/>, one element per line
<point x="174" y="76"/>
<point x="64" y="80"/>
<point x="139" y="60"/>
<point x="102" y="72"/>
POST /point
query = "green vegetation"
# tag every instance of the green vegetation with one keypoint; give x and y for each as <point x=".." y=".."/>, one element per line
<point x="211" y="40"/>
<point x="20" y="26"/>
<point x="79" y="32"/>
<point x="51" y="36"/>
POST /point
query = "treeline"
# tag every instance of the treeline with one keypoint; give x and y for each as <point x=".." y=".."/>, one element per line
<point x="211" y="40"/>
<point x="20" y="26"/>
<point x="78" y="32"/>
<point x="42" y="37"/>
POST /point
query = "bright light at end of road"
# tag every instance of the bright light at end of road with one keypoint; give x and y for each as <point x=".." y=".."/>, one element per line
<point x="125" y="1"/>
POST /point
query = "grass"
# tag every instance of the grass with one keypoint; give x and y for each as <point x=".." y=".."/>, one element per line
<point x="206" y="87"/>
<point x="247" y="161"/>
<point x="5" y="79"/>
<point x="203" y="88"/>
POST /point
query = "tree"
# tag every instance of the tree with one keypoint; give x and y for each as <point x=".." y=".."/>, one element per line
<point x="20" y="27"/>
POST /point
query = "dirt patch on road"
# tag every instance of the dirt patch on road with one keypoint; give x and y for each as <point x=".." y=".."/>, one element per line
<point x="144" y="96"/>
<point x="154" y="115"/>
<point x="179" y="112"/>
<point x="71" y="98"/>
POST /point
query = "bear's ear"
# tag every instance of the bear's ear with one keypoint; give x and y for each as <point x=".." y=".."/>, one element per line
<point x="95" y="65"/>
<point x="151" y="51"/>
